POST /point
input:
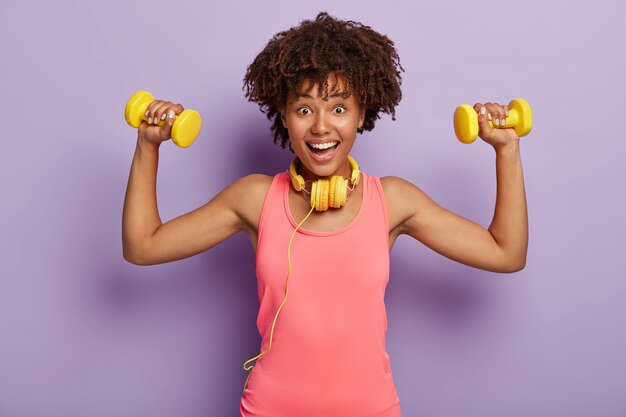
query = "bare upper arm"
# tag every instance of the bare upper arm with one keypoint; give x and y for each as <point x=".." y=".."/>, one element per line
<point x="414" y="213"/>
<point x="236" y="208"/>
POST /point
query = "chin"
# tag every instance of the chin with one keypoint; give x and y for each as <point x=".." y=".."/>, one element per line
<point x="326" y="170"/>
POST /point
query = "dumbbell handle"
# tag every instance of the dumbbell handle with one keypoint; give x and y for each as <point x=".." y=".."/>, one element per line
<point x="466" y="120"/>
<point x="185" y="129"/>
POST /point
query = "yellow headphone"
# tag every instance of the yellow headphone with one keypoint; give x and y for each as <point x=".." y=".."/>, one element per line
<point x="326" y="193"/>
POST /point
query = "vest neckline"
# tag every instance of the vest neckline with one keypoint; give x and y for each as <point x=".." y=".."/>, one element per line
<point x="364" y="182"/>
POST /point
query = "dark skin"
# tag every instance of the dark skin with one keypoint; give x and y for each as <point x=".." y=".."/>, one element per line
<point x="500" y="248"/>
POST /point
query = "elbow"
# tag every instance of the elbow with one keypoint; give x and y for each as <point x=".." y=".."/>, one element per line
<point x="131" y="260"/>
<point x="515" y="266"/>
<point x="133" y="256"/>
<point x="130" y="257"/>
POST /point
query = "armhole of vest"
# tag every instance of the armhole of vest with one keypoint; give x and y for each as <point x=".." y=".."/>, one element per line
<point x="383" y="204"/>
<point x="264" y="208"/>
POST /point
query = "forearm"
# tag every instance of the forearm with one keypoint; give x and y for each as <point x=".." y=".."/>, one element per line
<point x="509" y="226"/>
<point x="141" y="216"/>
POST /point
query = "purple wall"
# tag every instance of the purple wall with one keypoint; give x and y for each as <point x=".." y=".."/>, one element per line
<point x="84" y="333"/>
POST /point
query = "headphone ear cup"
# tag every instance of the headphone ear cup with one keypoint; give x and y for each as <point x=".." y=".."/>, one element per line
<point x="324" y="195"/>
<point x="313" y="192"/>
<point x="297" y="182"/>
<point x="318" y="196"/>
<point x="342" y="192"/>
<point x="332" y="191"/>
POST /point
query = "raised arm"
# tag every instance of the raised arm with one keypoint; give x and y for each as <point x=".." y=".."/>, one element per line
<point x="500" y="248"/>
<point x="147" y="241"/>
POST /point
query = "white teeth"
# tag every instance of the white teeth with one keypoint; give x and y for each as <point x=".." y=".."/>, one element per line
<point x="323" y="145"/>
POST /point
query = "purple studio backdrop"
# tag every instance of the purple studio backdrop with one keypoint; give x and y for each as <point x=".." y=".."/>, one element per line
<point x="85" y="333"/>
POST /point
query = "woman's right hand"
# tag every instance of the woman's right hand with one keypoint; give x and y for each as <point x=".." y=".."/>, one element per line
<point x="159" y="110"/>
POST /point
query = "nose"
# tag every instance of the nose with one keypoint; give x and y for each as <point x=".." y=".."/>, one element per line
<point x="321" y="124"/>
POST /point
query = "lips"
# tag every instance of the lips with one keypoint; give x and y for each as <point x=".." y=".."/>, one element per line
<point x="322" y="151"/>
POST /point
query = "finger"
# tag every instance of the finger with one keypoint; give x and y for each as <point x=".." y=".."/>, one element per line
<point x="166" y="129"/>
<point x="483" y="122"/>
<point x="478" y="107"/>
<point x="495" y="113"/>
<point x="500" y="114"/>
<point x="487" y="109"/>
<point x="156" y="109"/>
<point x="150" y="111"/>
<point x="178" y="108"/>
<point x="159" y="111"/>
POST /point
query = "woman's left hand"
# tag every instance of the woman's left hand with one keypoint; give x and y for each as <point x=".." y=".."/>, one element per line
<point x="494" y="112"/>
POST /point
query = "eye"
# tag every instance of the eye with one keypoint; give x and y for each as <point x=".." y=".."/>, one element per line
<point x="339" y="110"/>
<point x="303" y="111"/>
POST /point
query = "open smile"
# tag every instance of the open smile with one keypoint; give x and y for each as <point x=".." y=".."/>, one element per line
<point x="322" y="151"/>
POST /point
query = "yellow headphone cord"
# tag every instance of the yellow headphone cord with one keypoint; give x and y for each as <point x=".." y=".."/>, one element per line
<point x="249" y="368"/>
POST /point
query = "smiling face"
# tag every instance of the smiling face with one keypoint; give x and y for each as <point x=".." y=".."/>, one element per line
<point x="322" y="132"/>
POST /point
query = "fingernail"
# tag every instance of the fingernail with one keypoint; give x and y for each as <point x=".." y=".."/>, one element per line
<point x="163" y="116"/>
<point x="147" y="111"/>
<point x="489" y="116"/>
<point x="497" y="122"/>
<point x="149" y="120"/>
<point x="507" y="113"/>
<point x="483" y="110"/>
<point x="170" y="114"/>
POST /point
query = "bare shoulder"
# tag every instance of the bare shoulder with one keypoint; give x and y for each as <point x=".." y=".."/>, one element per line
<point x="247" y="195"/>
<point x="403" y="200"/>
<point x="253" y="184"/>
<point x="394" y="185"/>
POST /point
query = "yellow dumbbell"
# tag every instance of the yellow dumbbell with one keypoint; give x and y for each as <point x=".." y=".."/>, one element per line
<point x="520" y="118"/>
<point x="185" y="129"/>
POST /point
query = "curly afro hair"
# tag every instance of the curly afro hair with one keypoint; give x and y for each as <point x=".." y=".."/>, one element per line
<point x="312" y="50"/>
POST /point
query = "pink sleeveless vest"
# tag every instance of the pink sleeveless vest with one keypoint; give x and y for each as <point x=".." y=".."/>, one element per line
<point x="328" y="356"/>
